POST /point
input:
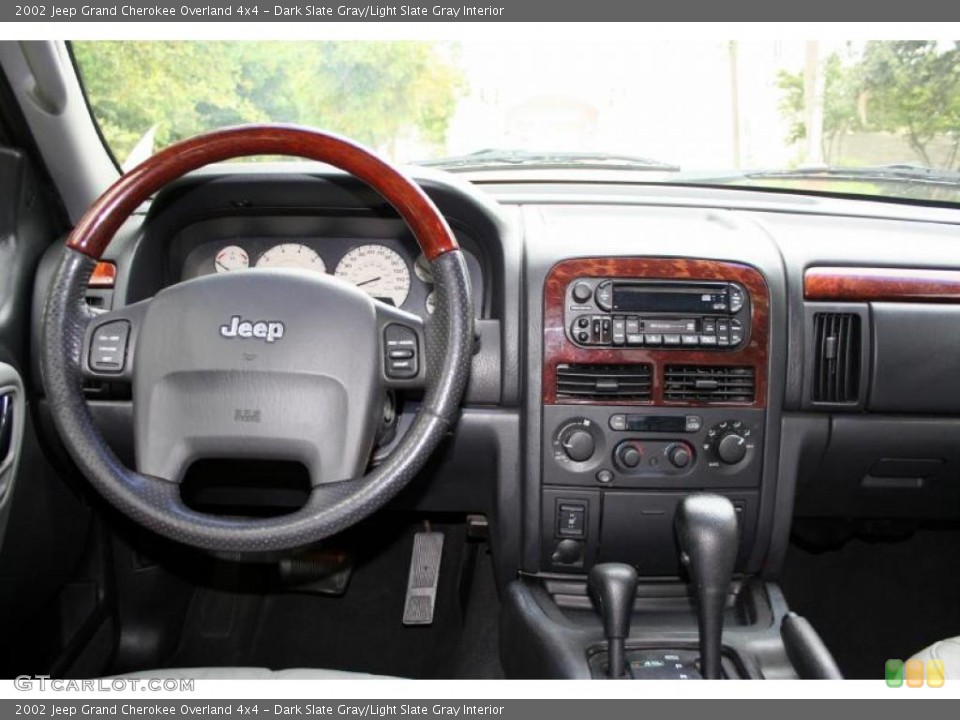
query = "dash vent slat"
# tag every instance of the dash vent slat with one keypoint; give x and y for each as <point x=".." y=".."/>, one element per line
<point x="708" y="383"/>
<point x="624" y="382"/>
<point x="836" y="338"/>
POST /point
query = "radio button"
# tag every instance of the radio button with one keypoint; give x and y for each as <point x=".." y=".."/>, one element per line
<point x="736" y="298"/>
<point x="618" y="334"/>
<point x="653" y="339"/>
<point x="723" y="327"/>
<point x="690" y="339"/>
<point x="581" y="292"/>
<point x="671" y="339"/>
<point x="710" y="340"/>
<point x="604" y="295"/>
<point x="736" y="332"/>
<point x="633" y="325"/>
<point x="635" y="339"/>
<point x="709" y="326"/>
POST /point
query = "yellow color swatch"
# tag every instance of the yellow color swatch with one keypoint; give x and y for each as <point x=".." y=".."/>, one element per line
<point x="914" y="673"/>
<point x="935" y="673"/>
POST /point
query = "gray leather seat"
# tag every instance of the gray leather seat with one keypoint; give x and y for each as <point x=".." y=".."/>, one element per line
<point x="251" y="673"/>
<point x="947" y="650"/>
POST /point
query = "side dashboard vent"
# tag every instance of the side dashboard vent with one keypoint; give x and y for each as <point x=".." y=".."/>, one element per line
<point x="624" y="382"/>
<point x="708" y="383"/>
<point x="836" y="347"/>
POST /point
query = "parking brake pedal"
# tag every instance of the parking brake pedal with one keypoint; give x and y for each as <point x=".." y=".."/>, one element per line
<point x="423" y="579"/>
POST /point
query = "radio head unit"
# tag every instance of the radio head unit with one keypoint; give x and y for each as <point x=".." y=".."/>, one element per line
<point x="634" y="312"/>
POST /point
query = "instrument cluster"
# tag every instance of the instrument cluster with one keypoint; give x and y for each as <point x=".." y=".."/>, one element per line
<point x="387" y="270"/>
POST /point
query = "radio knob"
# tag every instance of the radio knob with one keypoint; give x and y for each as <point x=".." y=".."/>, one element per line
<point x="629" y="455"/>
<point x="578" y="444"/>
<point x="581" y="292"/>
<point x="679" y="456"/>
<point x="731" y="448"/>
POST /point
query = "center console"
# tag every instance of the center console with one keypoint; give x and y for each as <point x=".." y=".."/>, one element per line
<point x="654" y="385"/>
<point x="654" y="485"/>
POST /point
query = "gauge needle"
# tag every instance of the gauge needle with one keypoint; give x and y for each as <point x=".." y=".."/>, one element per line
<point x="367" y="282"/>
<point x="221" y="265"/>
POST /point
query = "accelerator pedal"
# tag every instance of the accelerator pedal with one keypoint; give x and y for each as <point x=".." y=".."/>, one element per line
<point x="423" y="579"/>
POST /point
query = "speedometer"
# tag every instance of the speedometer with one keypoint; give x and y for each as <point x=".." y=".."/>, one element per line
<point x="378" y="271"/>
<point x="292" y="255"/>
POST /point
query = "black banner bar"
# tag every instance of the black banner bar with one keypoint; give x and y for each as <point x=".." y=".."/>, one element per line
<point x="489" y="11"/>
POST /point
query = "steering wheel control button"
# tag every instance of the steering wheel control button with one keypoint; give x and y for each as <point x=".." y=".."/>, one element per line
<point x="108" y="347"/>
<point x="401" y="351"/>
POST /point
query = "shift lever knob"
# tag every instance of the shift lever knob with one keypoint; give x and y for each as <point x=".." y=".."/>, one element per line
<point x="614" y="587"/>
<point x="706" y="527"/>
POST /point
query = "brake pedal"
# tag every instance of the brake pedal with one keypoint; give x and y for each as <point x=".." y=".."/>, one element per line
<point x="424" y="576"/>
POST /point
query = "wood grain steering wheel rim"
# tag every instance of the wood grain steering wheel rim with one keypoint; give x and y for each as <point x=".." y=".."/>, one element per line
<point x="99" y="224"/>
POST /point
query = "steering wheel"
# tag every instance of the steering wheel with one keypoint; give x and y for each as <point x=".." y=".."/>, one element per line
<point x="272" y="364"/>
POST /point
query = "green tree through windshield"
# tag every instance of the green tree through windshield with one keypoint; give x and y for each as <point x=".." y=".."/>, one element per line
<point x="381" y="94"/>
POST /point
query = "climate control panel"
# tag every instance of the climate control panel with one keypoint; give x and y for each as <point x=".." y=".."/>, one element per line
<point x="603" y="446"/>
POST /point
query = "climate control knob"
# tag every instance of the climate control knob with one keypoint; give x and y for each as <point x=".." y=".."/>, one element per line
<point x="679" y="456"/>
<point x="731" y="448"/>
<point x="629" y="455"/>
<point x="578" y="444"/>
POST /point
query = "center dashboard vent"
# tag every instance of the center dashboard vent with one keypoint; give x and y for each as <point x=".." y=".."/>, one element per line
<point x="836" y="347"/>
<point x="708" y="383"/>
<point x="625" y="382"/>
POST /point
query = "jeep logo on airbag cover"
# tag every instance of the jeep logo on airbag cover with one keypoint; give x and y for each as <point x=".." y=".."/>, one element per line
<point x="269" y="331"/>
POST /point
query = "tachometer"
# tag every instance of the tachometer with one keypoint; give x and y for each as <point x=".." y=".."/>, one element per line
<point x="292" y="255"/>
<point x="378" y="271"/>
<point x="232" y="257"/>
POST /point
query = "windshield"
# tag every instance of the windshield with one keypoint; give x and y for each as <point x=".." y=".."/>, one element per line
<point x="876" y="118"/>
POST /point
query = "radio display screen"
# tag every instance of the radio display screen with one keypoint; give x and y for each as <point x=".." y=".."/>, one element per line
<point x="652" y="299"/>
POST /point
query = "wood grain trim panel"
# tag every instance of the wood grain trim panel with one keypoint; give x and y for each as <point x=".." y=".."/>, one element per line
<point x="558" y="349"/>
<point x="98" y="226"/>
<point x="863" y="284"/>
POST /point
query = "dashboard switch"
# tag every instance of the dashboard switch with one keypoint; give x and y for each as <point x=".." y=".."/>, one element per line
<point x="571" y="520"/>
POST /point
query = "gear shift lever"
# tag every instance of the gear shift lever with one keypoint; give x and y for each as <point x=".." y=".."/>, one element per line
<point x="614" y="587"/>
<point x="706" y="527"/>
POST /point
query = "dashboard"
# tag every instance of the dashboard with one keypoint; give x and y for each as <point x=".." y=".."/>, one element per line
<point x="633" y="343"/>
